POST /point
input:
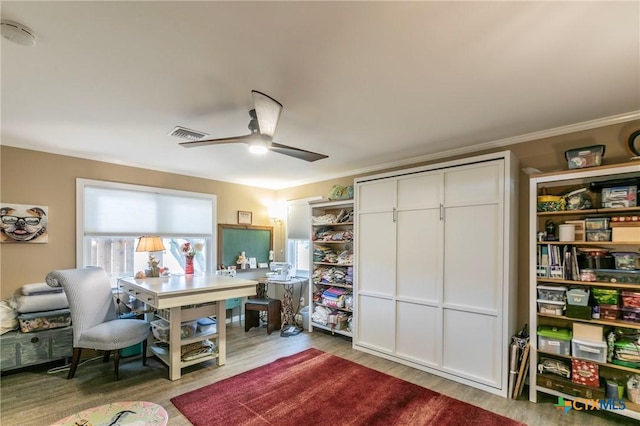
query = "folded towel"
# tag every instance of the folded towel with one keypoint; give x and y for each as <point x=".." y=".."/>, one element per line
<point x="39" y="288"/>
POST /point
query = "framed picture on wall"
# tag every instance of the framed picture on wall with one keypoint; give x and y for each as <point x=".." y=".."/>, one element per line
<point x="244" y="218"/>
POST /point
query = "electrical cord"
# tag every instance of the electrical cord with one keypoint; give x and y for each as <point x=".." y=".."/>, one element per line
<point x="68" y="366"/>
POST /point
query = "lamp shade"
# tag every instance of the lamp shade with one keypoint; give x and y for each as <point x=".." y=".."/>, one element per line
<point x="150" y="244"/>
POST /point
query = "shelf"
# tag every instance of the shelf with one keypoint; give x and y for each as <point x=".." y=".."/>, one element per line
<point x="333" y="264"/>
<point x="563" y="181"/>
<point x="333" y="331"/>
<point x="632" y="410"/>
<point x="623" y="324"/>
<point x="333" y="307"/>
<point x="332" y="224"/>
<point x="342" y="285"/>
<point x="603" y="364"/>
<point x="332" y="242"/>
<point x="633" y="286"/>
<point x="590" y="211"/>
<point x="589" y="243"/>
<point x="163" y="355"/>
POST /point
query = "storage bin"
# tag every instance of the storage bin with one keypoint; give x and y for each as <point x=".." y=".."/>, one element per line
<point x="630" y="299"/>
<point x="596" y="223"/>
<point x="160" y="329"/>
<point x="592" y="351"/>
<point x="606" y="296"/>
<point x="617" y="276"/>
<point x="596" y="261"/>
<point x="599" y="235"/>
<point x="578" y="296"/>
<point x="206" y="325"/>
<point x="554" y="340"/>
<point x="631" y="314"/>
<point x="579" y="312"/>
<point x="619" y="196"/>
<point x="554" y="293"/>
<point x="188" y="329"/>
<point x="609" y="312"/>
<point x="588" y="156"/>
<point x="550" y="203"/>
<point x="37" y="321"/>
<point x="550" y="307"/>
<point x="625" y="260"/>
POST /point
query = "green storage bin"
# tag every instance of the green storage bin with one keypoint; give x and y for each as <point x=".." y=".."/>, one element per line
<point x="579" y="312"/>
<point x="555" y="332"/>
<point x="554" y="340"/>
<point x="606" y="296"/>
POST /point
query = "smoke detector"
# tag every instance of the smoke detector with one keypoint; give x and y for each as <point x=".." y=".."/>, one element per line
<point x="17" y="33"/>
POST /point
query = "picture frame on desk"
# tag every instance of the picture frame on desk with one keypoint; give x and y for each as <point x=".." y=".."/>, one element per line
<point x="244" y="218"/>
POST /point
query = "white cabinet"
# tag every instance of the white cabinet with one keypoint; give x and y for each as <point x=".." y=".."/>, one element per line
<point x="435" y="280"/>
<point x="331" y="286"/>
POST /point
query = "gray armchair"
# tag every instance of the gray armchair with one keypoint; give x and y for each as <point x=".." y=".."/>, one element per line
<point x="93" y="316"/>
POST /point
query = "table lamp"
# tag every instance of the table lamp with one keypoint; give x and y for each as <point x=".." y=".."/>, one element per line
<point x="151" y="244"/>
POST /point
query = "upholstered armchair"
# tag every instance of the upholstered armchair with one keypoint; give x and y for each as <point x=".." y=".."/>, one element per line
<point x="93" y="316"/>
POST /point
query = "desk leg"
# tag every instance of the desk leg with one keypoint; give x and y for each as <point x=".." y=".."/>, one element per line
<point x="174" y="343"/>
<point x="287" y="305"/>
<point x="221" y="324"/>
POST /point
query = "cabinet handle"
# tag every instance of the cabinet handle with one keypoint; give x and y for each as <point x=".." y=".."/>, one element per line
<point x="395" y="215"/>
<point x="35" y="339"/>
<point x="441" y="211"/>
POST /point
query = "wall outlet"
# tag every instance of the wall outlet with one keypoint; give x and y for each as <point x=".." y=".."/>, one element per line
<point x="302" y="300"/>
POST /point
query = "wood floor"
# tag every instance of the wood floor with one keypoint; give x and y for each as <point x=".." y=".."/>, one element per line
<point x="37" y="397"/>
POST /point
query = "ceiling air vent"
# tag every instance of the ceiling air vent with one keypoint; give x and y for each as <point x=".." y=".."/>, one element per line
<point x="183" y="132"/>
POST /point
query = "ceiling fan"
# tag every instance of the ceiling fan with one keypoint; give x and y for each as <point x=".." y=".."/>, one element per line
<point x="264" y="119"/>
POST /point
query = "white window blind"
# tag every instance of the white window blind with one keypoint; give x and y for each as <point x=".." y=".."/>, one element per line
<point x="298" y="220"/>
<point x="124" y="211"/>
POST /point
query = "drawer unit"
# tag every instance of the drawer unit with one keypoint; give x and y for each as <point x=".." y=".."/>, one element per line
<point x="592" y="351"/>
<point x="23" y="349"/>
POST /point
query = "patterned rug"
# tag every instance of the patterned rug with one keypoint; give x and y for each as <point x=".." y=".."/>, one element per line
<point x="314" y="387"/>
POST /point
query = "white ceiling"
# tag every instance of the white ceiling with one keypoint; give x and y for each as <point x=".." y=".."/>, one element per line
<point x="369" y="84"/>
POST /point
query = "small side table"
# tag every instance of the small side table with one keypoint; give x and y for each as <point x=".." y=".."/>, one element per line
<point x="127" y="412"/>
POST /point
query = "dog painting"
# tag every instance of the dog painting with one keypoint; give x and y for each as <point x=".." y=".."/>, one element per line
<point x="23" y="223"/>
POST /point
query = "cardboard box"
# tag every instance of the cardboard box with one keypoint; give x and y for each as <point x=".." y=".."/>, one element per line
<point x="627" y="234"/>
<point x="591" y="333"/>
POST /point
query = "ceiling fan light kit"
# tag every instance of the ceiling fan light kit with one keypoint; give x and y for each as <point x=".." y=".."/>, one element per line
<point x="17" y="33"/>
<point x="264" y="119"/>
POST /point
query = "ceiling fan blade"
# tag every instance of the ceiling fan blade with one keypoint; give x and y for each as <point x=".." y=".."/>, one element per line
<point x="235" y="139"/>
<point x="296" y="152"/>
<point x="267" y="111"/>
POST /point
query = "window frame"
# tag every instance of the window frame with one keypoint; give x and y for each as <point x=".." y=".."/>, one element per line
<point x="82" y="184"/>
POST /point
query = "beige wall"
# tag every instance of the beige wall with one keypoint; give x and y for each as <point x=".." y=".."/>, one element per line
<point x="544" y="154"/>
<point x="32" y="177"/>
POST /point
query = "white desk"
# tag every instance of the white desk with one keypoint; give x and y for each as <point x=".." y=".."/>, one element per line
<point x="187" y="298"/>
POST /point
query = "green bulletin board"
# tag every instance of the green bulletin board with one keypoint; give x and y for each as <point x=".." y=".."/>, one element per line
<point x="255" y="241"/>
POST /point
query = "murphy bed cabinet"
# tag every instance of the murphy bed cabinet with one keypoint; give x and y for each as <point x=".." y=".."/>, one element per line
<point x="582" y="277"/>
<point x="435" y="253"/>
<point x="331" y="283"/>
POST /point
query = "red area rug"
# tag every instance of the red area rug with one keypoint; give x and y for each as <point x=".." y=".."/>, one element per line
<point x="314" y="387"/>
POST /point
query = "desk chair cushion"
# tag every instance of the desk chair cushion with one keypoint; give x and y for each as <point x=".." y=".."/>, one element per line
<point x="112" y="335"/>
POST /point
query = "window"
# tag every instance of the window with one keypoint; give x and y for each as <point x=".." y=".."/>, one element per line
<point x="111" y="217"/>
<point x="298" y="234"/>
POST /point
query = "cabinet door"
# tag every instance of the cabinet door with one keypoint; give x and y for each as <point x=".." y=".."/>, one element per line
<point x="418" y="333"/>
<point x="473" y="273"/>
<point x="419" y="238"/>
